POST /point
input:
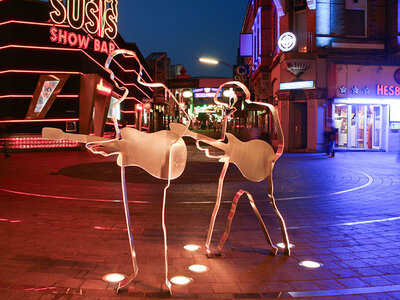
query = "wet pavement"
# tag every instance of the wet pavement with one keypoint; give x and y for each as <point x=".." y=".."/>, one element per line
<point x="62" y="228"/>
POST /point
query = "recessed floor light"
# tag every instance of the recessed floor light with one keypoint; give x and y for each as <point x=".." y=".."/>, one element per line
<point x="198" y="268"/>
<point x="310" y="264"/>
<point x="181" y="280"/>
<point x="282" y="245"/>
<point x="113" y="277"/>
<point x="191" y="247"/>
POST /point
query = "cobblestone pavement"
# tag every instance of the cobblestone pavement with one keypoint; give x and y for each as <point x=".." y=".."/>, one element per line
<point x="62" y="228"/>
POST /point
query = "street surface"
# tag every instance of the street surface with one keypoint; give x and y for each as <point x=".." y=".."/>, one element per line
<point x="62" y="228"/>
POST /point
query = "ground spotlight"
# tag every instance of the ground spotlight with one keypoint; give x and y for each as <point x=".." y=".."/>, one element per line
<point x="282" y="245"/>
<point x="181" y="280"/>
<point x="198" y="268"/>
<point x="310" y="264"/>
<point x="191" y="247"/>
<point x="113" y="277"/>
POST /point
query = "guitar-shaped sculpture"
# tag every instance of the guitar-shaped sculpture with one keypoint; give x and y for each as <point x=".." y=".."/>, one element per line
<point x="157" y="147"/>
<point x="255" y="167"/>
<point x="162" y="154"/>
<point x="255" y="160"/>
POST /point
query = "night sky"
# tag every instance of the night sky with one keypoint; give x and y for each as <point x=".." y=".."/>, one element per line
<point x="186" y="30"/>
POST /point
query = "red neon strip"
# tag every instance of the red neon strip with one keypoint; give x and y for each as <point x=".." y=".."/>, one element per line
<point x="29" y="96"/>
<point x="71" y="49"/>
<point x="37" y="120"/>
<point x="61" y="25"/>
<point x="39" y="71"/>
<point x="32" y="23"/>
<point x="127" y="111"/>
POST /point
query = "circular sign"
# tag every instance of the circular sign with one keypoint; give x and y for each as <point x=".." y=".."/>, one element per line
<point x="287" y="41"/>
<point x="397" y="75"/>
<point x="241" y="70"/>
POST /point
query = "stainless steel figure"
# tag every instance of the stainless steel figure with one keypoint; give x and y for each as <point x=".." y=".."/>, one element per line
<point x="255" y="160"/>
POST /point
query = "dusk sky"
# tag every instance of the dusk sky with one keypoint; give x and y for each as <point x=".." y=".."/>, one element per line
<point x="186" y="30"/>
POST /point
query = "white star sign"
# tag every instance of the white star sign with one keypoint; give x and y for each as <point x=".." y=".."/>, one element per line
<point x="366" y="90"/>
<point x="287" y="41"/>
<point x="343" y="90"/>
<point x="354" y="89"/>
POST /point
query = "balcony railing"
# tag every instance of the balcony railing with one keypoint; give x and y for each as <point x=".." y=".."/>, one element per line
<point x="305" y="42"/>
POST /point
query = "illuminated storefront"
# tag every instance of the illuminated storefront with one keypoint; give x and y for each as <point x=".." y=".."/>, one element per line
<point x="52" y="72"/>
<point x="366" y="109"/>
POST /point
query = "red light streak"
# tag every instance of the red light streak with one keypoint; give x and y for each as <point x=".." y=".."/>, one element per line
<point x="38" y="120"/>
<point x="32" y="23"/>
<point x="68" y="198"/>
<point x="63" y="72"/>
<point x="29" y="96"/>
<point x="127" y="111"/>
<point x="40" y="71"/>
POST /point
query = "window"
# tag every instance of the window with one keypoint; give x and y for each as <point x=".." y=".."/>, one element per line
<point x="355" y="18"/>
<point x="300" y="5"/>
<point x="355" y="22"/>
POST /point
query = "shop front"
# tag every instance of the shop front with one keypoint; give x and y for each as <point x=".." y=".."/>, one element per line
<point x="366" y="109"/>
<point x="360" y="126"/>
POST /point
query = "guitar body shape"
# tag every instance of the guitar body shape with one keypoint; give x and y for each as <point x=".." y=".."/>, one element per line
<point x="254" y="158"/>
<point x="149" y="151"/>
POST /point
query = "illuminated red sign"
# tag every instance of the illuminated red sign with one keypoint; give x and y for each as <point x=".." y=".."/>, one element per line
<point x="96" y="16"/>
<point x="387" y="90"/>
<point x="73" y="39"/>
<point x="102" y="89"/>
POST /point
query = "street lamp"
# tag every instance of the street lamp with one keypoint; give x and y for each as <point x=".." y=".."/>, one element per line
<point x="212" y="61"/>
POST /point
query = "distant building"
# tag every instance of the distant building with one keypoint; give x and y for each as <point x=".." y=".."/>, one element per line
<point x="342" y="69"/>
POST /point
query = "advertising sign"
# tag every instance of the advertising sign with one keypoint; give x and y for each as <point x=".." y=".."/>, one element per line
<point x="96" y="17"/>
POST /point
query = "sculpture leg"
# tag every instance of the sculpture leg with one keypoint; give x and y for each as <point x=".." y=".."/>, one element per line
<point x="167" y="282"/>
<point x="129" y="279"/>
<point x="216" y="207"/>
<point x="274" y="250"/>
<point x="280" y="218"/>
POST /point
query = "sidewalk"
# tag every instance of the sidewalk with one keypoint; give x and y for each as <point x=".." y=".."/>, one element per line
<point x="62" y="228"/>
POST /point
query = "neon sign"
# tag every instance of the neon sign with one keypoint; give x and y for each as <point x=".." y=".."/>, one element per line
<point x="102" y="89"/>
<point x="387" y="90"/>
<point x="98" y="17"/>
<point x="297" y="85"/>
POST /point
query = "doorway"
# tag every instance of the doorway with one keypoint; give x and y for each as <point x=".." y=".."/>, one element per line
<point x="299" y="125"/>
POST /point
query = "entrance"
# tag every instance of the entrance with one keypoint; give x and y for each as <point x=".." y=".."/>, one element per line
<point x="358" y="126"/>
<point x="299" y="125"/>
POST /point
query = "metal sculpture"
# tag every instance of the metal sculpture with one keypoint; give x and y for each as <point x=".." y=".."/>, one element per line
<point x="162" y="154"/>
<point x="255" y="160"/>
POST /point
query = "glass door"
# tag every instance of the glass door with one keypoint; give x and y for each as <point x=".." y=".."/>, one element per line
<point x="374" y="126"/>
<point x="358" y="126"/>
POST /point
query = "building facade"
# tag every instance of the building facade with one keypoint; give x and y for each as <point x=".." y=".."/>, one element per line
<point x="341" y="69"/>
<point x="52" y="71"/>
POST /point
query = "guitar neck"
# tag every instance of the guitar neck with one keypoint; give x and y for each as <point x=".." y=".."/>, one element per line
<point x="58" y="134"/>
<point x="83" y="138"/>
